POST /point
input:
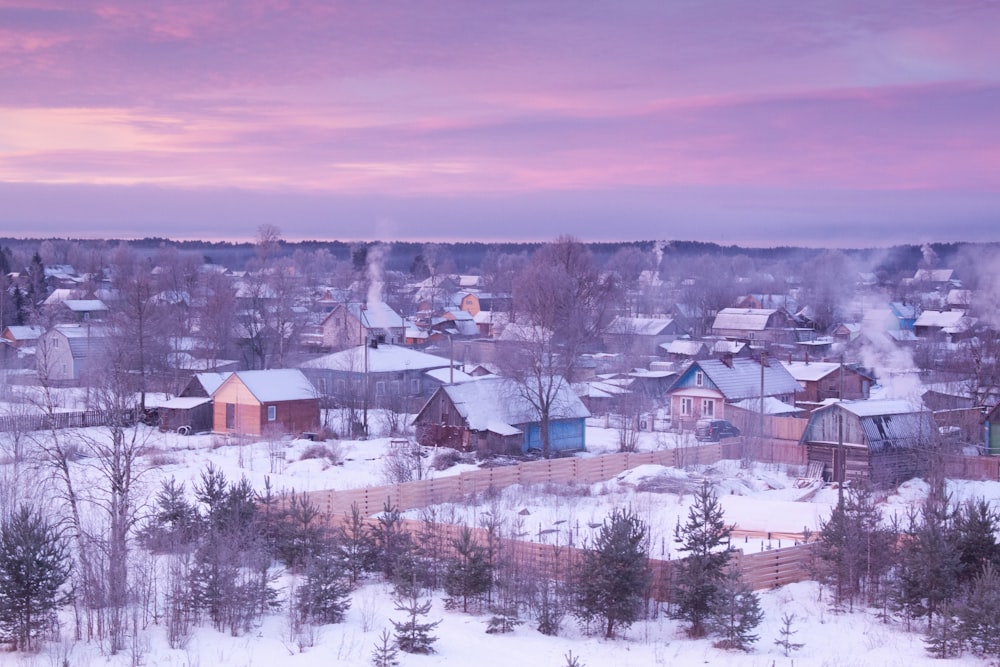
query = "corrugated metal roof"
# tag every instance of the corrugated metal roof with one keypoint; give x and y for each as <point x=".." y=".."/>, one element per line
<point x="742" y="378"/>
<point x="897" y="431"/>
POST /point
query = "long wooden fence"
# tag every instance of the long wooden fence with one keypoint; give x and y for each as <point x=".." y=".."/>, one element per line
<point x="762" y="570"/>
<point x="767" y="569"/>
<point x="61" y="420"/>
<point x="413" y="495"/>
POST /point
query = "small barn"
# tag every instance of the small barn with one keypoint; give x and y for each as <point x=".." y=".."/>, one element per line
<point x="252" y="402"/>
<point x="883" y="442"/>
<point x="186" y="414"/>
<point x="491" y="417"/>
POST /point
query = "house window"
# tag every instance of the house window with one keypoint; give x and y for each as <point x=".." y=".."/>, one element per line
<point x="380" y="388"/>
<point x="322" y="385"/>
<point x="414" y="386"/>
<point x="687" y="406"/>
<point x="230" y="416"/>
<point x="699" y="379"/>
<point x="707" y="407"/>
<point x="395" y="387"/>
<point x="272" y="413"/>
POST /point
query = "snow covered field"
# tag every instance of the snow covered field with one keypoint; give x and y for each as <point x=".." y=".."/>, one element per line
<point x="763" y="499"/>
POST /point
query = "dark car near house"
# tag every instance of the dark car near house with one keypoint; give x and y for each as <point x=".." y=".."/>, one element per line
<point x="713" y="430"/>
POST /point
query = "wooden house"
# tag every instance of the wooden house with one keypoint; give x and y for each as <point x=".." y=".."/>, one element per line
<point x="354" y="324"/>
<point x="386" y="374"/>
<point x="761" y="326"/>
<point x="22" y="336"/>
<point x="822" y="380"/>
<point x="707" y="386"/>
<point x="69" y="353"/>
<point x="254" y="402"/>
<point x="640" y="335"/>
<point x="491" y="416"/>
<point x="882" y="442"/>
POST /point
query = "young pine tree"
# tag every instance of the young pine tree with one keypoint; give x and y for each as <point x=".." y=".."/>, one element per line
<point x="704" y="537"/>
<point x="786" y="633"/>
<point x="736" y="613"/>
<point x="413" y="634"/>
<point x="385" y="653"/>
<point x="614" y="574"/>
<point x="468" y="575"/>
<point x="34" y="566"/>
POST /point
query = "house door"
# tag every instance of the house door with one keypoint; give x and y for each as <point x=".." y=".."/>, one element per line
<point x="230" y="416"/>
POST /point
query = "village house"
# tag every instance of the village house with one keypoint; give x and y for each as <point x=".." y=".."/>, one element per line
<point x="640" y="335"/>
<point x="882" y="442"/>
<point x="69" y="353"/>
<point x="759" y="326"/>
<point x="355" y="324"/>
<point x="387" y="374"/>
<point x="707" y="386"/>
<point x="822" y="380"/>
<point x="491" y="416"/>
<point x="257" y="402"/>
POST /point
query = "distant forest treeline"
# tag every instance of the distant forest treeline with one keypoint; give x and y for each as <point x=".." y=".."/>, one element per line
<point x="468" y="255"/>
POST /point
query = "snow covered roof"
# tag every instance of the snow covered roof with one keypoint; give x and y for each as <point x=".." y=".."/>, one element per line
<point x="490" y="402"/>
<point x="772" y="406"/>
<point x="448" y="375"/>
<point x="687" y="348"/>
<point x="809" y="371"/>
<point x="950" y="321"/>
<point x="185" y="402"/>
<point x="279" y="384"/>
<point x="25" y="332"/>
<point x="381" y="359"/>
<point x="741" y="378"/>
<point x="874" y="407"/>
<point x="728" y="347"/>
<point x="749" y="319"/>
<point x="639" y="326"/>
<point x="85" y="305"/>
<point x="211" y="381"/>
<point x="934" y="275"/>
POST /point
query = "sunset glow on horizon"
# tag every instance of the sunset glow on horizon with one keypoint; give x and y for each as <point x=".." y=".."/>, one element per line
<point x="778" y="122"/>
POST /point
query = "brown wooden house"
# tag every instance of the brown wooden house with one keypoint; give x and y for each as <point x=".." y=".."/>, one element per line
<point x="822" y="380"/>
<point x="491" y="416"/>
<point x="253" y="402"/>
<point x="879" y="441"/>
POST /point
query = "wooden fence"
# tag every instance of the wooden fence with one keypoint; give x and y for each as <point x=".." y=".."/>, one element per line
<point x="413" y="495"/>
<point x="767" y="569"/>
<point x="61" y="420"/>
<point x="763" y="570"/>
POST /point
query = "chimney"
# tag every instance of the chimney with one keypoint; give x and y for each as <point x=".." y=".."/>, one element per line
<point x="727" y="359"/>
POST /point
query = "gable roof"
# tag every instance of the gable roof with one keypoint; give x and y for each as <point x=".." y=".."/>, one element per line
<point x="741" y="378"/>
<point x="493" y="403"/>
<point x="381" y="359"/>
<point x="639" y="326"/>
<point x="280" y="384"/>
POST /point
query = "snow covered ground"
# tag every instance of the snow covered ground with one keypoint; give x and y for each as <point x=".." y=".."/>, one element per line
<point x="764" y="499"/>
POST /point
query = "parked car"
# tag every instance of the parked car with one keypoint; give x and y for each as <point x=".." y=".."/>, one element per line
<point x="713" y="430"/>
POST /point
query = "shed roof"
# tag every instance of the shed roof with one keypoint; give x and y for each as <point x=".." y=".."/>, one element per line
<point x="639" y="326"/>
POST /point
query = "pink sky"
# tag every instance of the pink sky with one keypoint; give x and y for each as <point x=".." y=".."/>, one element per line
<point x="834" y="123"/>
